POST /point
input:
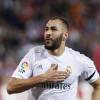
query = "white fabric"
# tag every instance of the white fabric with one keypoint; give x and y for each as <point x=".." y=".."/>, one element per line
<point x="38" y="61"/>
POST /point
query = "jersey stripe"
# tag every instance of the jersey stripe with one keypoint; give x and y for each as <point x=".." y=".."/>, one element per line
<point x="90" y="76"/>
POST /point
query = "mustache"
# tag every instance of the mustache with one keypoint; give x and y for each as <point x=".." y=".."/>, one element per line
<point x="48" y="38"/>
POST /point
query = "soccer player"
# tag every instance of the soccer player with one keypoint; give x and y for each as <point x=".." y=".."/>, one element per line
<point x="52" y="70"/>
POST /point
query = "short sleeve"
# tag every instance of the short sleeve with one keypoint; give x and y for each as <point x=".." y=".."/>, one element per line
<point x="89" y="71"/>
<point x="24" y="69"/>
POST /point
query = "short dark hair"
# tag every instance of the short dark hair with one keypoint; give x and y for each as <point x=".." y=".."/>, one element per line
<point x="64" y="20"/>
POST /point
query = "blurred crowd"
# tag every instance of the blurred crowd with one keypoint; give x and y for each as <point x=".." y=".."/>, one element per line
<point x="22" y="23"/>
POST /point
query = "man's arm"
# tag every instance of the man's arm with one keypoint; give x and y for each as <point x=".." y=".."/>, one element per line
<point x="17" y="85"/>
<point x="96" y="91"/>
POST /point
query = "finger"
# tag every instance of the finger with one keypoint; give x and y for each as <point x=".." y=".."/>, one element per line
<point x="62" y="72"/>
<point x="54" y="66"/>
<point x="60" y="75"/>
<point x="60" y="78"/>
<point x="56" y="80"/>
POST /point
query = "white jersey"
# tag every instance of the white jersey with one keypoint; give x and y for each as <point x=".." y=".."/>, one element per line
<point x="38" y="61"/>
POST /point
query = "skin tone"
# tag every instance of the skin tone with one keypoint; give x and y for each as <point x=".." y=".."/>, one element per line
<point x="55" y="30"/>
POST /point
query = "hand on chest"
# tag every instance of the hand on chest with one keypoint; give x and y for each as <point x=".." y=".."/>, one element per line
<point x="42" y="66"/>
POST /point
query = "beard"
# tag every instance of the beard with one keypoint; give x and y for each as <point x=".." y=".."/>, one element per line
<point x="54" y="44"/>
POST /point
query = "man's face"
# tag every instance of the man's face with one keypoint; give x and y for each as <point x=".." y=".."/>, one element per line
<point x="54" y="34"/>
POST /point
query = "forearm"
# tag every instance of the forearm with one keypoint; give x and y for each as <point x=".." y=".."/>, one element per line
<point x="96" y="94"/>
<point x="19" y="85"/>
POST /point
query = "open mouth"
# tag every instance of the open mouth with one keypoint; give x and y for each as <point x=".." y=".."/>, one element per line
<point x="48" y="39"/>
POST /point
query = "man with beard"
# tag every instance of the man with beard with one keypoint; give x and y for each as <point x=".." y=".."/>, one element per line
<point x="52" y="71"/>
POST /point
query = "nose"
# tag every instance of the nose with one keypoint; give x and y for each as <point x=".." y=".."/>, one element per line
<point x="48" y="34"/>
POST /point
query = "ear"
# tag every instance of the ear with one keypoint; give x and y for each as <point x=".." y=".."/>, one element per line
<point x="65" y="35"/>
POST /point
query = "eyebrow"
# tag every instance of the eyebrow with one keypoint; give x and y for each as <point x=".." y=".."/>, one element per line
<point x="52" y="27"/>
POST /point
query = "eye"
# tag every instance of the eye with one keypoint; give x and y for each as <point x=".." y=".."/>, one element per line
<point x="53" y="28"/>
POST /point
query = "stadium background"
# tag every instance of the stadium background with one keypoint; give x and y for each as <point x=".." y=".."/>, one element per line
<point x="21" y="28"/>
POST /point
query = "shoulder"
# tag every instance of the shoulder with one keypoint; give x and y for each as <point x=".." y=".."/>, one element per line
<point x="74" y="53"/>
<point x="37" y="49"/>
<point x="80" y="57"/>
<point x="39" y="52"/>
<point x="35" y="53"/>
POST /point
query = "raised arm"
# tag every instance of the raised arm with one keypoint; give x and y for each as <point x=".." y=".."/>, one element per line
<point x="16" y="85"/>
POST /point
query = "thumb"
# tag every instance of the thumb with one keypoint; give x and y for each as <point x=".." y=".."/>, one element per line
<point x="54" y="66"/>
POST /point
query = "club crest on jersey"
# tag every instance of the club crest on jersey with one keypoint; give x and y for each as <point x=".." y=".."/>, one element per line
<point x="69" y="69"/>
<point x="24" y="67"/>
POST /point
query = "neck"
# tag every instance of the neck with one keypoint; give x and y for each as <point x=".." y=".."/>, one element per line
<point x="58" y="51"/>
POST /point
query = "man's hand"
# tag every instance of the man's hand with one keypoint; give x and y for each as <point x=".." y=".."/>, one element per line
<point x="54" y="75"/>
